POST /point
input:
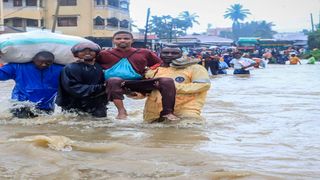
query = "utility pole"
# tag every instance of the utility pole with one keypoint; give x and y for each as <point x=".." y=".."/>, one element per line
<point x="55" y="17"/>
<point x="170" y="33"/>
<point x="312" y="25"/>
<point x="147" y="27"/>
<point x="318" y="28"/>
<point x="1" y="16"/>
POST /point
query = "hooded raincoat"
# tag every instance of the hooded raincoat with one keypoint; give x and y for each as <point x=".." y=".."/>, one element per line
<point x="192" y="83"/>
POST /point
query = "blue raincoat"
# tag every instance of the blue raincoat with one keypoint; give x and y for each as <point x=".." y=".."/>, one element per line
<point x="33" y="84"/>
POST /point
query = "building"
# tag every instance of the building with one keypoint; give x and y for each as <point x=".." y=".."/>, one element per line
<point x="218" y="31"/>
<point x="200" y="40"/>
<point x="299" y="39"/>
<point x="85" y="18"/>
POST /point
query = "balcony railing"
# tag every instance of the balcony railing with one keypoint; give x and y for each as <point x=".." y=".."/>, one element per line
<point x="98" y="27"/>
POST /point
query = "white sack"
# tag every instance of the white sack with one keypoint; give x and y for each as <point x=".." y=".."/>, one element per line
<point x="21" y="47"/>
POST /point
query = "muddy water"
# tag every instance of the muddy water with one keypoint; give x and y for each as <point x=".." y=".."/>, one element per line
<point x="265" y="126"/>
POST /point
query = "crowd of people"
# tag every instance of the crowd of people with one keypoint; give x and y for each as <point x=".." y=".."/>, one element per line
<point x="100" y="76"/>
<point x="175" y="83"/>
<point x="217" y="60"/>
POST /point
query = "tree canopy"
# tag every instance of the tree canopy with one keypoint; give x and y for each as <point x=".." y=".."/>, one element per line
<point x="168" y="27"/>
<point x="236" y="12"/>
<point x="314" y="39"/>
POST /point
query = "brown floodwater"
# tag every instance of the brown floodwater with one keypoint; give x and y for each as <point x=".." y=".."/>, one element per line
<point x="262" y="126"/>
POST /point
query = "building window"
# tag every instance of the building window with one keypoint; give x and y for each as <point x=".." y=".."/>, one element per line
<point x="67" y="21"/>
<point x="100" y="2"/>
<point x="32" y="23"/>
<point x="124" y="5"/>
<point x="114" y="3"/>
<point x="17" y="2"/>
<point x="31" y="2"/>
<point x="68" y="2"/>
<point x="17" y="22"/>
<point x="5" y="1"/>
<point x="124" y="23"/>
<point x="99" y="21"/>
<point x="112" y="22"/>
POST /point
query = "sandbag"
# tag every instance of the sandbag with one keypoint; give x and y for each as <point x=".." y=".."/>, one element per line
<point x="21" y="47"/>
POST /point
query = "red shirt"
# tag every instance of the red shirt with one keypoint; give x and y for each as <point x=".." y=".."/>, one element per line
<point x="138" y="58"/>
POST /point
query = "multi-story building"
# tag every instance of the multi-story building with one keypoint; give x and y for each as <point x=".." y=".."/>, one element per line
<point x="85" y="18"/>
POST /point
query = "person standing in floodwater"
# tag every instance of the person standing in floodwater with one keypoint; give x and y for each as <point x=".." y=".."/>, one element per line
<point x="240" y="64"/>
<point x="82" y="87"/>
<point x="191" y="80"/>
<point x="294" y="60"/>
<point x="36" y="82"/>
<point x="125" y="67"/>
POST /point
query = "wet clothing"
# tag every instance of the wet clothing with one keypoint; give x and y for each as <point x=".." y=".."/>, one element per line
<point x="33" y="84"/>
<point x="192" y="84"/>
<point x="312" y="60"/>
<point x="213" y="65"/>
<point x="117" y="87"/>
<point x="239" y="63"/>
<point x="81" y="88"/>
<point x="140" y="60"/>
<point x="223" y="66"/>
<point x="294" y="60"/>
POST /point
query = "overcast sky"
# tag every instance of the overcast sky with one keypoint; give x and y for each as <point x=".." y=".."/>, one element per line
<point x="287" y="15"/>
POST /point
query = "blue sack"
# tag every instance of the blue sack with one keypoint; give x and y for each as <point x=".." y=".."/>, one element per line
<point x="122" y="69"/>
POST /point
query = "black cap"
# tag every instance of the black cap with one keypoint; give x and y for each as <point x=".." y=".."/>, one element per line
<point x="85" y="45"/>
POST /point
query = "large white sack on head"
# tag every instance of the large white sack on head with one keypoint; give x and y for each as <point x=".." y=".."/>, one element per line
<point x="21" y="47"/>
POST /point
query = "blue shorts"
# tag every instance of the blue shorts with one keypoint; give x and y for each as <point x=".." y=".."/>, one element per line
<point x="241" y="71"/>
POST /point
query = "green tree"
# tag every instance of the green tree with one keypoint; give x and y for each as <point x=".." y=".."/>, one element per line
<point x="167" y="27"/>
<point x="236" y="13"/>
<point x="189" y="19"/>
<point x="260" y="29"/>
<point x="314" y="39"/>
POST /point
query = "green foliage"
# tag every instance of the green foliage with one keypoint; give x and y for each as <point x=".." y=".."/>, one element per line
<point x="167" y="27"/>
<point x="236" y="12"/>
<point x="260" y="29"/>
<point x="314" y="39"/>
<point x="315" y="53"/>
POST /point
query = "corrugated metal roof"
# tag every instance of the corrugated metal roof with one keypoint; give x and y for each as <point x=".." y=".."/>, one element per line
<point x="291" y="36"/>
<point x="208" y="39"/>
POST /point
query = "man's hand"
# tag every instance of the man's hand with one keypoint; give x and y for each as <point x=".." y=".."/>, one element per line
<point x="135" y="95"/>
<point x="157" y="84"/>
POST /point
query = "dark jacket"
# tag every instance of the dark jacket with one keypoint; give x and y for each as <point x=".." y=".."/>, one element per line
<point x="81" y="86"/>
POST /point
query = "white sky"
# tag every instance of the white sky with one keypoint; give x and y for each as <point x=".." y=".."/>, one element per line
<point x="287" y="15"/>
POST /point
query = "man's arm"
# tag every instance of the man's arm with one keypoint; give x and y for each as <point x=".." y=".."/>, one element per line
<point x="200" y="81"/>
<point x="252" y="63"/>
<point x="153" y="59"/>
<point x="7" y="72"/>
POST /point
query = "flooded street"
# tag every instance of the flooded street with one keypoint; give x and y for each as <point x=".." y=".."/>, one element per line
<point x="265" y="126"/>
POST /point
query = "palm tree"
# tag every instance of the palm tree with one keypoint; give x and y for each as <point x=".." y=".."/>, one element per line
<point x="235" y="13"/>
<point x="189" y="19"/>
